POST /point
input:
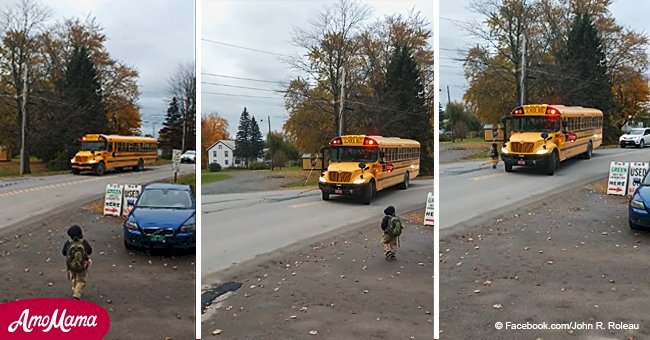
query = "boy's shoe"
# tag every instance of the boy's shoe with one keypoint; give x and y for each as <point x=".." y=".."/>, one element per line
<point x="387" y="255"/>
<point x="392" y="256"/>
<point x="76" y="298"/>
<point x="494" y="166"/>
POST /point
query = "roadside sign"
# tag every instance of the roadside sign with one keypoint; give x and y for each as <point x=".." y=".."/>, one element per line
<point x="113" y="200"/>
<point x="131" y="194"/>
<point x="176" y="160"/>
<point x="428" y="213"/>
<point x="637" y="171"/>
<point x="618" y="176"/>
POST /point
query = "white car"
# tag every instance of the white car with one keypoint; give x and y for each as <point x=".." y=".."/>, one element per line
<point x="638" y="137"/>
<point x="188" y="157"/>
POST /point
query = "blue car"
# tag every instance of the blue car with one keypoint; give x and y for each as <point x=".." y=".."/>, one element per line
<point x="639" y="206"/>
<point x="164" y="216"/>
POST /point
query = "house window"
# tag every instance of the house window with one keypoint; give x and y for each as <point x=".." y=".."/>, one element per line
<point x="225" y="162"/>
<point x="226" y="153"/>
<point x="214" y="153"/>
<point x="219" y="146"/>
<point x="237" y="161"/>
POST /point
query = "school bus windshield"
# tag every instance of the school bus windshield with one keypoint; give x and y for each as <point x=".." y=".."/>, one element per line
<point x="353" y="154"/>
<point x="535" y="124"/>
<point x="93" y="146"/>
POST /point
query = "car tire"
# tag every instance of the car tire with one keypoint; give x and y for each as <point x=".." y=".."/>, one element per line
<point x="633" y="225"/>
<point x="622" y="146"/>
<point x="100" y="169"/>
<point x="325" y="196"/>
<point x="508" y="166"/>
<point x="128" y="246"/>
<point x="641" y="144"/>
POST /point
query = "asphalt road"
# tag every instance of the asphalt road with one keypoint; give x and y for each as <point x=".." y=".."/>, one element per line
<point x="28" y="197"/>
<point x="472" y="192"/>
<point x="238" y="227"/>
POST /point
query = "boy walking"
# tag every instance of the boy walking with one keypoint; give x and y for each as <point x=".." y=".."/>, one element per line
<point x="77" y="252"/>
<point x="494" y="155"/>
<point x="392" y="228"/>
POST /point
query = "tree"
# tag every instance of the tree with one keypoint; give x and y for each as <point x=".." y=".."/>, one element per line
<point x="585" y="66"/>
<point x="213" y="129"/>
<point x="243" y="145"/>
<point x="170" y="136"/>
<point x="182" y="85"/>
<point x="80" y="111"/>
<point x="281" y="149"/>
<point x="21" y="26"/>
<point x="255" y="142"/>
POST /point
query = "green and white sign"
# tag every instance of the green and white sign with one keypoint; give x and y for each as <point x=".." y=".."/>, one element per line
<point x="618" y="177"/>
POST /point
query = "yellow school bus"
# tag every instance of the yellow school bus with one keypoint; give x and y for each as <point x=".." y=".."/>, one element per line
<point x="361" y="165"/>
<point x="99" y="153"/>
<point x="544" y="135"/>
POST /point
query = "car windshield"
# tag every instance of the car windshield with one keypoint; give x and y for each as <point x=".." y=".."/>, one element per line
<point x="354" y="154"/>
<point x="93" y="146"/>
<point x="165" y="198"/>
<point x="535" y="124"/>
<point x="636" y="132"/>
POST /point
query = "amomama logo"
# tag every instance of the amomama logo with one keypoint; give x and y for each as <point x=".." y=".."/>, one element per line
<point x="53" y="319"/>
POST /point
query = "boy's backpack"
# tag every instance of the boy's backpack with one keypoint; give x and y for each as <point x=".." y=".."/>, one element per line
<point x="77" y="257"/>
<point x="394" y="227"/>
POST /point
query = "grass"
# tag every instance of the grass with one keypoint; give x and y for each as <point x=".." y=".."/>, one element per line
<point x="211" y="177"/>
<point x="38" y="168"/>
<point x="186" y="179"/>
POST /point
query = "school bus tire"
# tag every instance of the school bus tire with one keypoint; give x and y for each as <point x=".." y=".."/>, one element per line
<point x="369" y="193"/>
<point x="76" y="171"/>
<point x="100" y="169"/>
<point x="508" y="166"/>
<point x="325" y="195"/>
<point x="140" y="165"/>
<point x="589" y="152"/>
<point x="405" y="185"/>
<point x="551" y="165"/>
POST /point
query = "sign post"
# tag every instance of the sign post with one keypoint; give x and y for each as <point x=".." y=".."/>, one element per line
<point x="113" y="200"/>
<point x="428" y="214"/>
<point x="176" y="163"/>
<point x="637" y="172"/>
<point x="131" y="193"/>
<point x="618" y="176"/>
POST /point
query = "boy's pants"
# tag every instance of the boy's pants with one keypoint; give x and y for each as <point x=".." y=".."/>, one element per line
<point x="389" y="243"/>
<point x="78" y="283"/>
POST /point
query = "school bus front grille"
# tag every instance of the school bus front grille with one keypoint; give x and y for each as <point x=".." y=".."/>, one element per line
<point x="522" y="147"/>
<point x="340" y="176"/>
<point x="81" y="159"/>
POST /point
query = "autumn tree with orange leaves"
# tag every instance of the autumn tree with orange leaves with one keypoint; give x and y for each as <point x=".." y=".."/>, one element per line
<point x="213" y="129"/>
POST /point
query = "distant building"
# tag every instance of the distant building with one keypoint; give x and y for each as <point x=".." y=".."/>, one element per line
<point x="492" y="133"/>
<point x="222" y="152"/>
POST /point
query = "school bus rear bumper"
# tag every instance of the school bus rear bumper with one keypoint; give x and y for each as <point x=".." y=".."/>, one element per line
<point x="525" y="160"/>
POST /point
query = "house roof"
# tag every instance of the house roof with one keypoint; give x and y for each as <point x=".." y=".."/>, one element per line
<point x="228" y="143"/>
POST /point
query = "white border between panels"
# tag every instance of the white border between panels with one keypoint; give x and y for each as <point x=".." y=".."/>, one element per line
<point x="436" y="172"/>
<point x="197" y="118"/>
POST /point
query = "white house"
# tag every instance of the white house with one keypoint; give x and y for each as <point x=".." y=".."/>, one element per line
<point x="222" y="152"/>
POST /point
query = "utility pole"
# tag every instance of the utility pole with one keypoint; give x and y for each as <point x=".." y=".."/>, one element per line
<point x="154" y="129"/>
<point x="342" y="103"/>
<point x="522" y="83"/>
<point x="187" y="104"/>
<point x="448" y="96"/>
<point x="268" y="138"/>
<point x="24" y="160"/>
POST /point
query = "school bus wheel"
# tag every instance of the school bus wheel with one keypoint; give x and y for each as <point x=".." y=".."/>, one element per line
<point x="369" y="192"/>
<point x="405" y="184"/>
<point x="76" y="171"/>
<point x="100" y="169"/>
<point x="140" y="165"/>
<point x="508" y="166"/>
<point x="325" y="195"/>
<point x="551" y="164"/>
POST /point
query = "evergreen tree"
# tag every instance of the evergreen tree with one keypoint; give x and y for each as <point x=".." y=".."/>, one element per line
<point x="80" y="111"/>
<point x="406" y="114"/>
<point x="171" y="135"/>
<point x="256" y="142"/>
<point x="242" y="141"/>
<point x="584" y="69"/>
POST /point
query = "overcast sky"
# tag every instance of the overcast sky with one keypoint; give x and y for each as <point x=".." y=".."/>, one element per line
<point x="263" y="25"/>
<point x="454" y="14"/>
<point x="153" y="36"/>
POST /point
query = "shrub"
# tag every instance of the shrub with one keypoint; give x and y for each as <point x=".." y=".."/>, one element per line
<point x="259" y="166"/>
<point x="214" y="167"/>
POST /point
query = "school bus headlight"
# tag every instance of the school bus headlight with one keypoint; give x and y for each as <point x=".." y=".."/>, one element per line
<point x="504" y="151"/>
<point x="322" y="179"/>
<point x="542" y="151"/>
<point x="358" y="181"/>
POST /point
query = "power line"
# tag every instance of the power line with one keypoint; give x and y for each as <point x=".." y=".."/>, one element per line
<point x="242" y="78"/>
<point x="243" y="87"/>
<point x="239" y="95"/>
<point x="245" y="48"/>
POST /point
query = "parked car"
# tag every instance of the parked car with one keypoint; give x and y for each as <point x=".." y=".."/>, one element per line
<point x="639" y="205"/>
<point x="164" y="216"/>
<point x="638" y="137"/>
<point x="188" y="157"/>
